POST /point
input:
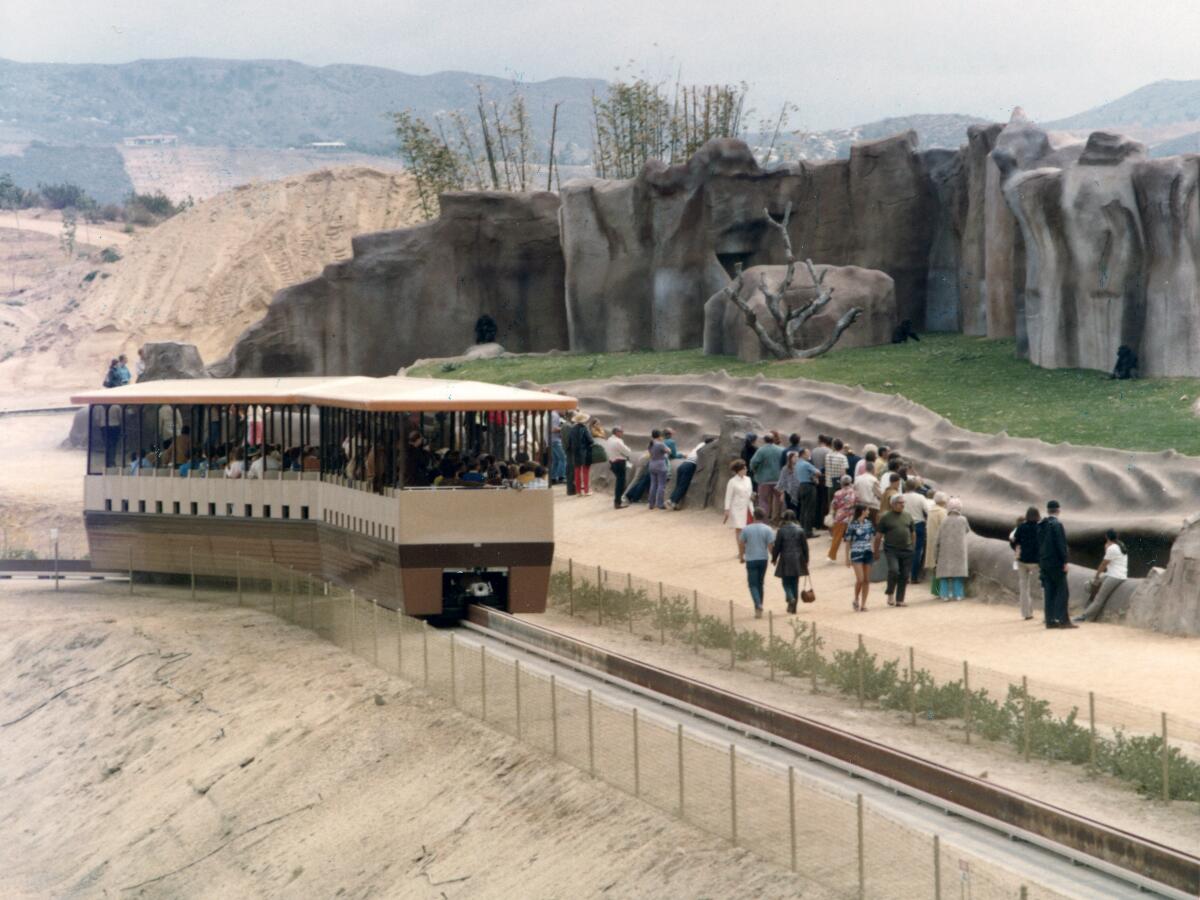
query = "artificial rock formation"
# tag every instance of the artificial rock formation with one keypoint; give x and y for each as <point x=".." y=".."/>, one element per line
<point x="169" y="359"/>
<point x="418" y="291"/>
<point x="1168" y="600"/>
<point x="643" y="256"/>
<point x="726" y="331"/>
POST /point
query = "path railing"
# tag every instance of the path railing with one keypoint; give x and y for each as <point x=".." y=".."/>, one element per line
<point x="1156" y="753"/>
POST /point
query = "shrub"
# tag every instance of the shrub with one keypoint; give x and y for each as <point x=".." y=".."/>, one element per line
<point x="109" y="255"/>
<point x="65" y="196"/>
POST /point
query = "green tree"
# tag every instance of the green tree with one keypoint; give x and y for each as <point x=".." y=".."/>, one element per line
<point x="435" y="165"/>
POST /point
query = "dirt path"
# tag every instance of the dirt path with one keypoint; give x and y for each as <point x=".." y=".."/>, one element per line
<point x="691" y="549"/>
<point x="50" y="222"/>
<point x="167" y="749"/>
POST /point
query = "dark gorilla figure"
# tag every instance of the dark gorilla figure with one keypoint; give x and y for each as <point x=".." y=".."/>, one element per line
<point x="903" y="332"/>
<point x="485" y="329"/>
<point x="1127" y="363"/>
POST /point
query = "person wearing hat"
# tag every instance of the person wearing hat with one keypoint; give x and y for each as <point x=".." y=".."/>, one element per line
<point x="1052" y="564"/>
<point x="619" y="456"/>
<point x="581" y="453"/>
<point x="895" y="532"/>
<point x="952" y="568"/>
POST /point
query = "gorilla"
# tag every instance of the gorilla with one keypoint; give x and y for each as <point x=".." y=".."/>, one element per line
<point x="485" y="329"/>
<point x="1127" y="363"/>
<point x="902" y="332"/>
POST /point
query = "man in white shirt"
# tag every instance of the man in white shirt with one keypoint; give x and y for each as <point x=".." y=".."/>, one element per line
<point x="619" y="456"/>
<point x="866" y="486"/>
<point x="685" y="472"/>
<point x="917" y="506"/>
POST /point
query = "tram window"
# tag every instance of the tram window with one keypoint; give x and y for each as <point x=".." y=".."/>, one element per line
<point x="249" y="510"/>
<point x="195" y="508"/>
<point x="158" y="507"/>
<point x="108" y="505"/>
<point x="266" y="512"/>
<point x="124" y="506"/>
<point x="212" y="509"/>
<point x="304" y="512"/>
<point x="287" y="512"/>
<point x="141" y="506"/>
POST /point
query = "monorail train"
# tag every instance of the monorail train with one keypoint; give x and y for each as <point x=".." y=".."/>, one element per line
<point x="352" y="480"/>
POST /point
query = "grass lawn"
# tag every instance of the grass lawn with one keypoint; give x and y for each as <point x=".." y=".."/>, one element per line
<point x="974" y="382"/>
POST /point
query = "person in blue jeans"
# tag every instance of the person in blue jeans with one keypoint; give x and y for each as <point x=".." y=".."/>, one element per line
<point x="558" y="456"/>
<point x="756" y="540"/>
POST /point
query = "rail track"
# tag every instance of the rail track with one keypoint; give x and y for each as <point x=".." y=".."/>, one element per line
<point x="1056" y="844"/>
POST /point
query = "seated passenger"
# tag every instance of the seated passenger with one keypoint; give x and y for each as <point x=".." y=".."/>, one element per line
<point x="235" y="468"/>
<point x="539" y="479"/>
<point x="473" y="474"/>
<point x="311" y="462"/>
<point x="256" y="467"/>
<point x="526" y="476"/>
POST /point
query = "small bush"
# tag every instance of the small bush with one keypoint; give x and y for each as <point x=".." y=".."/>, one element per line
<point x="109" y="255"/>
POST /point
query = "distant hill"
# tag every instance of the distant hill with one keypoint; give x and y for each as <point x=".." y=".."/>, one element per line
<point x="948" y="130"/>
<point x="258" y="103"/>
<point x="1163" y="103"/>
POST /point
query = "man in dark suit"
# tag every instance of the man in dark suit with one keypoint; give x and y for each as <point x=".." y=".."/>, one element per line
<point x="1052" y="561"/>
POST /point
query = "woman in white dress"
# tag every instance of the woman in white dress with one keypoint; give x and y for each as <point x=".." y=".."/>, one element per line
<point x="738" y="507"/>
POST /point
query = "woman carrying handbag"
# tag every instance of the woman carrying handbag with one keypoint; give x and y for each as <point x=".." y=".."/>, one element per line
<point x="790" y="555"/>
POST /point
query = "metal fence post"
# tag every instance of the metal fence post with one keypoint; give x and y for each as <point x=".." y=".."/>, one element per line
<point x="792" y="813"/>
<point x="732" y="640"/>
<point x="1024" y="893"/>
<point x="1026" y="725"/>
<point x="571" y="587"/>
<point x="662" y="616"/>
<point x="591" y="736"/>
<point x="517" y="693"/>
<point x="1166" y="762"/>
<point x="191" y="569"/>
<point x="1092" y="730"/>
<point x="637" y="761"/>
<point x="425" y="652"/>
<point x="695" y="621"/>
<point x="679" y="748"/>
<point x="733" y="794"/>
<point x="862" y="853"/>
<point x="816" y="656"/>
<point x="553" y="716"/>
<point x="237" y="561"/>
<point x="771" y="641"/>
<point x="483" y="682"/>
<point x="453" y="671"/>
<point x="862" y="675"/>
<point x="967" y="700"/>
<point x="399" y="634"/>
<point x="912" y="686"/>
<point x="374" y="630"/>
<point x="937" y="868"/>
<point x="130" y="571"/>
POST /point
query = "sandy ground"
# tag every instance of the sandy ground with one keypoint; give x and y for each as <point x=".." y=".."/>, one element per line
<point x="691" y="549"/>
<point x="165" y="749"/>
<point x="201" y="277"/>
<point x="41" y="486"/>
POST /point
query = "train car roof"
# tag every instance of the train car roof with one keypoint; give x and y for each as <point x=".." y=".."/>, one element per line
<point x="393" y="393"/>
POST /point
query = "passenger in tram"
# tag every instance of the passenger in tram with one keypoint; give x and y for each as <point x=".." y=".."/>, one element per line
<point x="255" y="472"/>
<point x="170" y="423"/>
<point x="311" y="462"/>
<point x="274" y="459"/>
<point x="181" y="447"/>
<point x="235" y="468"/>
<point x="140" y="461"/>
<point x="540" y="482"/>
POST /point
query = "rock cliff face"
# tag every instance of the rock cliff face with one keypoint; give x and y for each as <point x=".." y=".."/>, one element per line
<point x="1168" y="600"/>
<point x="1111" y="241"/>
<point x="417" y="292"/>
<point x="643" y="256"/>
<point x="726" y="331"/>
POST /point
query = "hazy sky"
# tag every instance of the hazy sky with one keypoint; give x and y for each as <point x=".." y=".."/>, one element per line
<point x="843" y="61"/>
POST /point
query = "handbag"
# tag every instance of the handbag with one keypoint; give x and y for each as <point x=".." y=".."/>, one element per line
<point x="829" y="520"/>
<point x="808" y="595"/>
<point x="599" y="454"/>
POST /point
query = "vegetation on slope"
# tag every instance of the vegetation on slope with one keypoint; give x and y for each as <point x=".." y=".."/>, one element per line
<point x="976" y="383"/>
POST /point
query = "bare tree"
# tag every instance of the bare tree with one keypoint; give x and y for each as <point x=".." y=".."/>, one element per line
<point x="788" y="321"/>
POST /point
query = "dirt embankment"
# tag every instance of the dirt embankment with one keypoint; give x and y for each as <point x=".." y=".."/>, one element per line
<point x="174" y="749"/>
<point x="201" y="277"/>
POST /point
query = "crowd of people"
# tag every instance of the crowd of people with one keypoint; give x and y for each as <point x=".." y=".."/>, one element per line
<point x="885" y="521"/>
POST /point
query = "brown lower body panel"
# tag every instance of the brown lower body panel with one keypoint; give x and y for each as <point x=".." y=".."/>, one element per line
<point x="408" y="576"/>
<point x="1147" y="858"/>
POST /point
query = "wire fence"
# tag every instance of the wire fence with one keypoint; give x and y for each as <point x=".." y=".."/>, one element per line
<point x="841" y="842"/>
<point x="1159" y="755"/>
